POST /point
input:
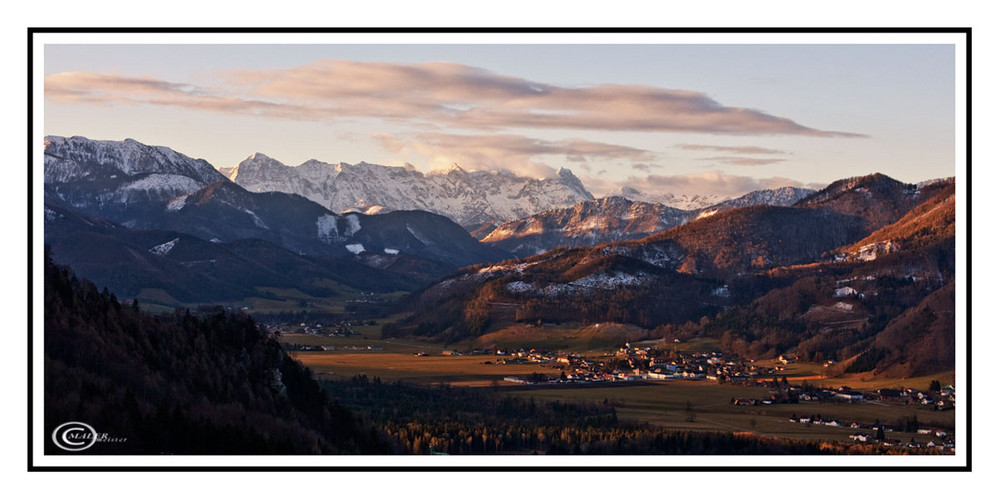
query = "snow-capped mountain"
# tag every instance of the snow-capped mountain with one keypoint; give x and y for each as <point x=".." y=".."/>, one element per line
<point x="78" y="158"/>
<point x="681" y="202"/>
<point x="115" y="174"/>
<point x="585" y="224"/>
<point x="469" y="198"/>
<point x="780" y="197"/>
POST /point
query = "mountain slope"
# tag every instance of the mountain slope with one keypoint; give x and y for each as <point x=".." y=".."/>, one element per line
<point x="99" y="179"/>
<point x="877" y="198"/>
<point x="191" y="270"/>
<point x="181" y="384"/>
<point x="780" y="197"/>
<point x="584" y="224"/>
<point x="756" y="238"/>
<point x="930" y="222"/>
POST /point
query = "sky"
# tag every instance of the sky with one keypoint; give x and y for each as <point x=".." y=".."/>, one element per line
<point x="720" y="119"/>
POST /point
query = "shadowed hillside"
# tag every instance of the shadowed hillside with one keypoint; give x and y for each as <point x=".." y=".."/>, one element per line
<point x="210" y="383"/>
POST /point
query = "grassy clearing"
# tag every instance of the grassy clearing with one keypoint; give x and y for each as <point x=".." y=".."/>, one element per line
<point x="594" y="339"/>
<point x="156" y="296"/>
<point x="405" y="346"/>
<point x="432" y="369"/>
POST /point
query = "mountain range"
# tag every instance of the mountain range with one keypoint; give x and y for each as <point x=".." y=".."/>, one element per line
<point x="614" y="218"/>
<point x="764" y="280"/>
<point x="151" y="215"/>
<point x="468" y="198"/>
<point x="836" y="274"/>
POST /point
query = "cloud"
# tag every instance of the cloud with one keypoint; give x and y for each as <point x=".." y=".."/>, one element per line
<point x="742" y="150"/>
<point x="516" y="153"/>
<point x="389" y="142"/>
<point x="438" y="92"/>
<point x="705" y="183"/>
<point x="644" y="167"/>
<point x="93" y="88"/>
<point x="741" y="161"/>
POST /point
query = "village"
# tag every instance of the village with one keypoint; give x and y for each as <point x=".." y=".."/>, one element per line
<point x="646" y="363"/>
<point x="638" y="364"/>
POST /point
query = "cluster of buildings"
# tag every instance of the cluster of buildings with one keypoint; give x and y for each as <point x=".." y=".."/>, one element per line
<point x="635" y="363"/>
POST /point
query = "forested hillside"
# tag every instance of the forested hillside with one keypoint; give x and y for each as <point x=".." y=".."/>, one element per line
<point x="187" y="383"/>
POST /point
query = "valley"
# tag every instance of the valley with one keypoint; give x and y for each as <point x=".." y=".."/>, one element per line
<point x="600" y="371"/>
<point x="785" y="314"/>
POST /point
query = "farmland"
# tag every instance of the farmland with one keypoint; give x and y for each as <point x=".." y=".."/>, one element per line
<point x="692" y="405"/>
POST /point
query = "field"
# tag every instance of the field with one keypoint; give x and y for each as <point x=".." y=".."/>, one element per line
<point x="672" y="404"/>
<point x="817" y="374"/>
<point x="272" y="300"/>
<point x="593" y="339"/>
<point x="432" y="369"/>
<point x="690" y="405"/>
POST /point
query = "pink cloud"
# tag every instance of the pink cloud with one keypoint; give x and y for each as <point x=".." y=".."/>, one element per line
<point x="742" y="161"/>
<point x="516" y="153"/>
<point x="704" y="183"/>
<point x="742" y="150"/>
<point x="439" y="92"/>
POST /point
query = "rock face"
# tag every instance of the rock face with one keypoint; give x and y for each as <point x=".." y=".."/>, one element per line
<point x="469" y="198"/>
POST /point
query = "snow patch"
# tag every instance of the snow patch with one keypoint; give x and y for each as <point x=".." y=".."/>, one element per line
<point x="171" y="183"/>
<point x="353" y="225"/>
<point x="355" y="248"/>
<point x="176" y="204"/>
<point x="164" y="248"/>
<point x="519" y="286"/>
<point x="873" y="251"/>
<point x="416" y="234"/>
<point x="51" y="215"/>
<point x="326" y="227"/>
<point x="843" y="306"/>
<point x="391" y="251"/>
<point x="608" y="281"/>
<point x="256" y="220"/>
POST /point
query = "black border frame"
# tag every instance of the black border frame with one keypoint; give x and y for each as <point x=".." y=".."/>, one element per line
<point x="31" y="467"/>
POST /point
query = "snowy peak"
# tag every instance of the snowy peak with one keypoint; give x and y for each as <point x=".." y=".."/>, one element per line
<point x="780" y="197"/>
<point x="467" y="197"/>
<point x="81" y="159"/>
<point x="681" y="202"/>
<point x="573" y="183"/>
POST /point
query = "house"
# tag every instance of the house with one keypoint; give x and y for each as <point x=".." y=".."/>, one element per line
<point x="860" y="436"/>
<point x="850" y="396"/>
